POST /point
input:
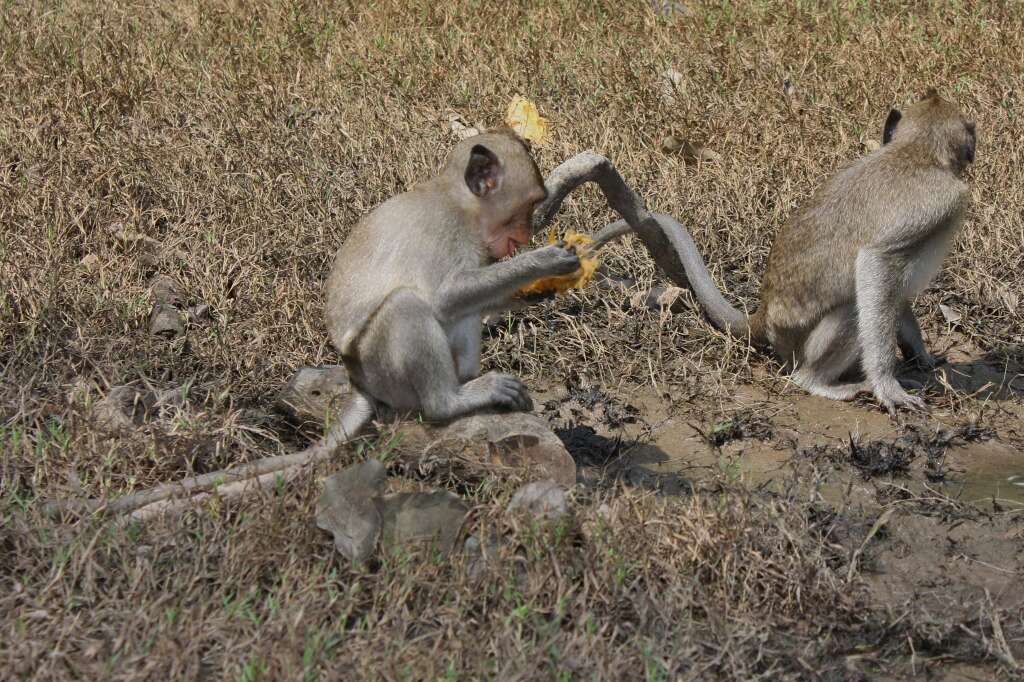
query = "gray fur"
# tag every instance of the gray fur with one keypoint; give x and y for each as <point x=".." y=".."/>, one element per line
<point x="408" y="288"/>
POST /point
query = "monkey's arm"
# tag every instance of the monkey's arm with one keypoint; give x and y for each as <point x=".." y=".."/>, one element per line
<point x="476" y="290"/>
<point x="878" y="292"/>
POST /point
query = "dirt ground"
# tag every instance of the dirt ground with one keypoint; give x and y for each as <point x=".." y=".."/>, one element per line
<point x="725" y="525"/>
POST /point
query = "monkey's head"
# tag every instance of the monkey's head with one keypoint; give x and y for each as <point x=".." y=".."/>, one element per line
<point x="498" y="182"/>
<point x="938" y="124"/>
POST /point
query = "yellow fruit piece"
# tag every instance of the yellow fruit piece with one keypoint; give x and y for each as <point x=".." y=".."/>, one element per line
<point x="573" y="280"/>
<point x="523" y="118"/>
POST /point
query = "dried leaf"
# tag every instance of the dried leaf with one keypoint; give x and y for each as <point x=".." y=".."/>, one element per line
<point x="524" y="118"/>
<point x="91" y="262"/>
<point x="670" y="144"/>
<point x="670" y="84"/>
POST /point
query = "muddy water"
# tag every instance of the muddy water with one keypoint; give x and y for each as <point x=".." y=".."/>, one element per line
<point x="984" y="472"/>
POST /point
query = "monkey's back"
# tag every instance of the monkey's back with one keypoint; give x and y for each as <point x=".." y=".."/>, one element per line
<point x="404" y="243"/>
<point x="811" y="265"/>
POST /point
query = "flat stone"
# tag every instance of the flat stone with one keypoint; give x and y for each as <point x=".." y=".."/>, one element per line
<point x="514" y="440"/>
<point x="199" y="313"/>
<point x="122" y="409"/>
<point x="166" y="321"/>
<point x="541" y="499"/>
<point x="349" y="509"/>
<point x="165" y="289"/>
<point x="422" y="520"/>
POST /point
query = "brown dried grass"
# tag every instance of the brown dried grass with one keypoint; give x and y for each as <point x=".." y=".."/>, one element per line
<point x="231" y="145"/>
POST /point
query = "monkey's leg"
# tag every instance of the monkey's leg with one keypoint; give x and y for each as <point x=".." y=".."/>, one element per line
<point x="827" y="353"/>
<point x="878" y="277"/>
<point x="815" y="384"/>
<point x="911" y="341"/>
<point x="406" y="362"/>
<point x="464" y="340"/>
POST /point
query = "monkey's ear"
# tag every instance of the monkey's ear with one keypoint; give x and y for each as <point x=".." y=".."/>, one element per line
<point x="890" y="125"/>
<point x="483" y="171"/>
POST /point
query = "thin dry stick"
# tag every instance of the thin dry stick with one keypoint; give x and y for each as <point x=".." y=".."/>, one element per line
<point x="882" y="519"/>
<point x="194" y="484"/>
<point x="225" y="492"/>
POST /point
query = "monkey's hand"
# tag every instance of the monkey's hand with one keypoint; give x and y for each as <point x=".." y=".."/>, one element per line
<point x="555" y="259"/>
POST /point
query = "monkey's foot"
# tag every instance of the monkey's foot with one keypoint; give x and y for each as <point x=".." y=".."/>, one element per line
<point x="502" y="390"/>
<point x="891" y="395"/>
<point x="926" y="360"/>
<point x="911" y="384"/>
<point x="815" y="385"/>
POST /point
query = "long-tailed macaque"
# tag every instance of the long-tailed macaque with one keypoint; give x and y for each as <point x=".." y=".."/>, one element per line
<point x="408" y="288"/>
<point x="843" y="270"/>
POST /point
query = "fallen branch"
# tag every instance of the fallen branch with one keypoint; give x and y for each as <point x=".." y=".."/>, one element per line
<point x="222" y="483"/>
<point x="177" y="505"/>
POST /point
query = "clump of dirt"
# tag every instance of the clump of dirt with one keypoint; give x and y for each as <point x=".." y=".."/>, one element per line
<point x="744" y="425"/>
<point x="609" y="410"/>
<point x="881" y="457"/>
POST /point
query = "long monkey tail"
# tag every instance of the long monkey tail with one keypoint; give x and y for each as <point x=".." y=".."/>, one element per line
<point x="676" y="253"/>
<point x="262" y="472"/>
<point x="666" y="240"/>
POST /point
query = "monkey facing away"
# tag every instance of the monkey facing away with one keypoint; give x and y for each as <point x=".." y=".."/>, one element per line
<point x="408" y="288"/>
<point x="843" y="270"/>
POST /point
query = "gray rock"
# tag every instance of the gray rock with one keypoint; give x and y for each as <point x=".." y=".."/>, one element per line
<point x="542" y="499"/>
<point x="479" y="555"/>
<point x="514" y="440"/>
<point x="122" y="409"/>
<point x="349" y="509"/>
<point x="165" y="290"/>
<point x="199" y="313"/>
<point x="422" y="520"/>
<point x="314" y="392"/>
<point x="165" y="320"/>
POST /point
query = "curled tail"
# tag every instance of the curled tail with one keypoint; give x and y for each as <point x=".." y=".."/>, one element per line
<point x="675" y="252"/>
<point x="667" y="241"/>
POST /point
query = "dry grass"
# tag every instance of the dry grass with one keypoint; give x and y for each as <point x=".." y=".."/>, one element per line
<point x="231" y="144"/>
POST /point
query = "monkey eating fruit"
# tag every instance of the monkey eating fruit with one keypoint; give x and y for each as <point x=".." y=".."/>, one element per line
<point x="409" y="286"/>
<point x="842" y="272"/>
